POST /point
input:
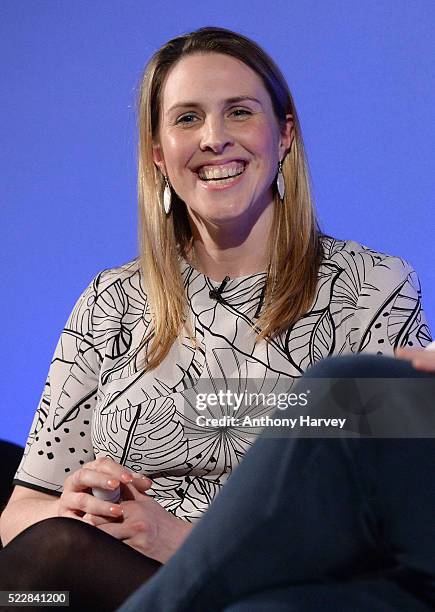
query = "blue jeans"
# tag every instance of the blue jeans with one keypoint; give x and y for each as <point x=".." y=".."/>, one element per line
<point x="313" y="524"/>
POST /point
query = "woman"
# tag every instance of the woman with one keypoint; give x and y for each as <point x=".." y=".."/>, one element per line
<point x="234" y="281"/>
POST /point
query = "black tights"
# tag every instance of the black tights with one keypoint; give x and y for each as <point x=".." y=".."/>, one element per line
<point x="99" y="571"/>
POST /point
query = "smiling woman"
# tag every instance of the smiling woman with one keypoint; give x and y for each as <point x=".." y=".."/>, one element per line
<point x="234" y="283"/>
<point x="214" y="102"/>
<point x="220" y="136"/>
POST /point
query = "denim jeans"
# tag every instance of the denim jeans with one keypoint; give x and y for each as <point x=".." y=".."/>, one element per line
<point x="313" y="524"/>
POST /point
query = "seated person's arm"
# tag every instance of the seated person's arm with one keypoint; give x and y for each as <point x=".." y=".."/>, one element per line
<point x="25" y="507"/>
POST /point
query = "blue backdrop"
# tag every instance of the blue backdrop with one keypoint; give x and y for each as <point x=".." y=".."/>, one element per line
<point x="363" y="81"/>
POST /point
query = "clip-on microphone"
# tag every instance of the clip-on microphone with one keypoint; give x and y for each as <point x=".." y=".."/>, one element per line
<point x="216" y="294"/>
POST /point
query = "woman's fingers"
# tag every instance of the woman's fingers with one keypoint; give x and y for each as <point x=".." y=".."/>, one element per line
<point x="96" y="521"/>
<point x="407" y="353"/>
<point x="425" y="363"/>
<point x="86" y="478"/>
<point x="121" y="473"/>
<point x="123" y="531"/>
<point x="142" y="483"/>
<point x="88" y="504"/>
<point x="76" y="493"/>
<point x="109" y="475"/>
<point x="110" y="469"/>
<point x="420" y="358"/>
<point x="106" y="475"/>
<point x="69" y="514"/>
<point x="82" y="504"/>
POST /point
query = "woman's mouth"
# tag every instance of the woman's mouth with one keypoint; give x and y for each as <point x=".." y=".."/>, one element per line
<point x="221" y="174"/>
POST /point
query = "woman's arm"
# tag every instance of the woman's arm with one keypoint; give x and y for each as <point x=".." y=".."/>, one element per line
<point x="389" y="312"/>
<point x="25" y="507"/>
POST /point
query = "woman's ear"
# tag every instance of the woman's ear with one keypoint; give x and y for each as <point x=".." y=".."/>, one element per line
<point x="287" y="135"/>
<point x="158" y="158"/>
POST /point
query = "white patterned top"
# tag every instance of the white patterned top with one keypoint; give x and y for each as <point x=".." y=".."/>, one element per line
<point x="97" y="400"/>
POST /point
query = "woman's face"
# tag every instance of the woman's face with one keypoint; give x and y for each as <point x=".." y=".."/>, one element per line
<point x="219" y="140"/>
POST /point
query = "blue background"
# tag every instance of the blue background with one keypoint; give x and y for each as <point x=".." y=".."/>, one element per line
<point x="363" y="81"/>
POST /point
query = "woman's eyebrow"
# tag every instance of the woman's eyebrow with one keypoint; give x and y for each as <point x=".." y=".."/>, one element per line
<point x="232" y="100"/>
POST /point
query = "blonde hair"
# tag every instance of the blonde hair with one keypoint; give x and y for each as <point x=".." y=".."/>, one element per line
<point x="295" y="251"/>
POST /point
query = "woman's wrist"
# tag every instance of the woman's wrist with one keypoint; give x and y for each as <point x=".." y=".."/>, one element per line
<point x="180" y="535"/>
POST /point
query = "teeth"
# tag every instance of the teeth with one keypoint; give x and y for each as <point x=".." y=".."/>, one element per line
<point x="210" y="173"/>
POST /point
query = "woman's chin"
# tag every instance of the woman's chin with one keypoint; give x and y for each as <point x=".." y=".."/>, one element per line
<point x="225" y="215"/>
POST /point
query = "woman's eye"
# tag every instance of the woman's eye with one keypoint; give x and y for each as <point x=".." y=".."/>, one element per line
<point x="241" y="112"/>
<point x="187" y="119"/>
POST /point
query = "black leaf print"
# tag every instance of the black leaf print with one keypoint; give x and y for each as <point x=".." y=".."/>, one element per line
<point x="99" y="401"/>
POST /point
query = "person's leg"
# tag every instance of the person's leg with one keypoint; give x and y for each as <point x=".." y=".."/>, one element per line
<point x="310" y="511"/>
<point x="68" y="555"/>
<point x="363" y="596"/>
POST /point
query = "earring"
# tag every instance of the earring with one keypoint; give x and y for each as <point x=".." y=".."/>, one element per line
<point x="280" y="185"/>
<point x="167" y="196"/>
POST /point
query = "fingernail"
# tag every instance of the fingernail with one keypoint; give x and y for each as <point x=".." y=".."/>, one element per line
<point x="117" y="510"/>
<point x="112" y="484"/>
<point x="126" y="477"/>
<point x="142" y="477"/>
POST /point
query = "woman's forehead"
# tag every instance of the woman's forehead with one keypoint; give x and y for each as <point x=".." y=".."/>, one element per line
<point x="206" y="77"/>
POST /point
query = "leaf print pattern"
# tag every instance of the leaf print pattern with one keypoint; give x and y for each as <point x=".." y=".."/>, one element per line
<point x="98" y="401"/>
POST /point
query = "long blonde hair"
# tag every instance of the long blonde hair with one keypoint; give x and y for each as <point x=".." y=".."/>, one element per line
<point x="295" y="250"/>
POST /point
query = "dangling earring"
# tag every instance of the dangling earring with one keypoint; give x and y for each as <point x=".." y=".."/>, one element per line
<point x="167" y="196"/>
<point x="280" y="185"/>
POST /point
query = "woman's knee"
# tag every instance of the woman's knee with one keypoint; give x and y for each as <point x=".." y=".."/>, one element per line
<point x="54" y="537"/>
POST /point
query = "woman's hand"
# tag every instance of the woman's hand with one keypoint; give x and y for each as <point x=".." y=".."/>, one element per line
<point x="146" y="526"/>
<point x="77" y="500"/>
<point x="421" y="359"/>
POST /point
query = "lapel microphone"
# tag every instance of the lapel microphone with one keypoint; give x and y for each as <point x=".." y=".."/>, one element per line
<point x="216" y="294"/>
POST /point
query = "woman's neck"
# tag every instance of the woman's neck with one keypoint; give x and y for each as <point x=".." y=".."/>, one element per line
<point x="232" y="251"/>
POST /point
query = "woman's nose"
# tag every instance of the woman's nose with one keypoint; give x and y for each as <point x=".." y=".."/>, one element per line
<point x="215" y="136"/>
